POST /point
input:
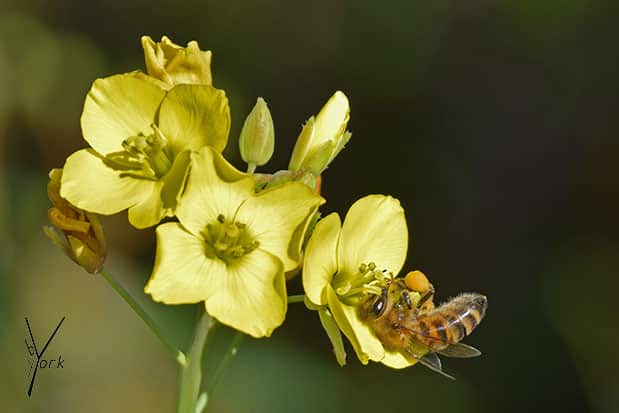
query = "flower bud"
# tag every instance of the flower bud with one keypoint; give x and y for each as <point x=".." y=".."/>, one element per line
<point x="257" y="138"/>
<point x="322" y="137"/>
<point x="318" y="160"/>
<point x="173" y="64"/>
<point x="78" y="233"/>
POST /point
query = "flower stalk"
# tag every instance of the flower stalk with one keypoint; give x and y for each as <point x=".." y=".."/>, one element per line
<point x="135" y="306"/>
<point x="230" y="353"/>
<point x="296" y="298"/>
<point x="189" y="397"/>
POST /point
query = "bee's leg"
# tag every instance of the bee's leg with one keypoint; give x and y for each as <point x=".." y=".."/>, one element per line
<point x="385" y="291"/>
<point x="407" y="299"/>
<point x="425" y="297"/>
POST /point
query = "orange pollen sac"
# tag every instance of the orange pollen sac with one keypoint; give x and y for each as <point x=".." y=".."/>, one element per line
<point x="417" y="281"/>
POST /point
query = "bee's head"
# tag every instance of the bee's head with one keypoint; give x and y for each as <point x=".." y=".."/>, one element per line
<point x="378" y="307"/>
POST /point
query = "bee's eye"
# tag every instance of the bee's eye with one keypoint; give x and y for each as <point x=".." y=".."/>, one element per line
<point x="378" y="307"/>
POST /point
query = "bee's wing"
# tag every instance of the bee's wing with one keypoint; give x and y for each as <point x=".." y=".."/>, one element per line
<point x="459" y="350"/>
<point x="431" y="361"/>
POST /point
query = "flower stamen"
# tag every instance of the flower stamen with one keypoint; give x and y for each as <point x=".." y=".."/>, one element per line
<point x="143" y="156"/>
<point x="228" y="240"/>
<point x="368" y="280"/>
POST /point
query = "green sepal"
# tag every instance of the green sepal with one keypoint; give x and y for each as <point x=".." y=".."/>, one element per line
<point x="333" y="331"/>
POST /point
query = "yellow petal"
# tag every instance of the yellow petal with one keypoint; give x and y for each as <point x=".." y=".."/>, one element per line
<point x="174" y="64"/>
<point x="374" y="231"/>
<point x="396" y="360"/>
<point x="88" y="259"/>
<point x="154" y="59"/>
<point x="320" y="261"/>
<point x="252" y="296"/>
<point x="89" y="184"/>
<point x="366" y="345"/>
<point x="118" y="107"/>
<point x="274" y="215"/>
<point x="159" y="83"/>
<point x="192" y="65"/>
<point x="214" y="187"/>
<point x="164" y="196"/>
<point x="302" y="146"/>
<point x="182" y="273"/>
<point x="150" y="211"/>
<point x="332" y="120"/>
<point x="193" y="116"/>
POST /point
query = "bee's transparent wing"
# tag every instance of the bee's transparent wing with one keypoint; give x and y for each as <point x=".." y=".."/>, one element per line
<point x="459" y="350"/>
<point x="431" y="361"/>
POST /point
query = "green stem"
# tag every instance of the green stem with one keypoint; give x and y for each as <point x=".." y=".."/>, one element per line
<point x="189" y="398"/>
<point x="231" y="352"/>
<point x="135" y="306"/>
<point x="296" y="298"/>
<point x="251" y="168"/>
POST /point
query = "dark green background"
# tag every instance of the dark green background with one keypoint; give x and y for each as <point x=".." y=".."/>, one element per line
<point x="494" y="122"/>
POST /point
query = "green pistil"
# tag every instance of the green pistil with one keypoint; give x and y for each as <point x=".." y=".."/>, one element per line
<point x="228" y="240"/>
<point x="142" y="156"/>
<point x="353" y="288"/>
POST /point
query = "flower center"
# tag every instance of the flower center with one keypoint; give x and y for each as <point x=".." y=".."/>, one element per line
<point x="228" y="240"/>
<point x="143" y="156"/>
<point x="354" y="288"/>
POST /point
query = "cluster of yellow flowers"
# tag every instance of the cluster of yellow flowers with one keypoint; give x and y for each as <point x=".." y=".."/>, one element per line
<point x="229" y="239"/>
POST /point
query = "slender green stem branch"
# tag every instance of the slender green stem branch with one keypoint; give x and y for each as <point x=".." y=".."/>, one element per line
<point x="251" y="168"/>
<point x="230" y="353"/>
<point x="135" y="306"/>
<point x="201" y="403"/>
<point x="189" y="398"/>
<point x="296" y="298"/>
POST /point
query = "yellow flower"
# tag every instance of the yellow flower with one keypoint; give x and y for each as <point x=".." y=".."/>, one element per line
<point x="375" y="235"/>
<point x="77" y="232"/>
<point x="232" y="247"/>
<point x="173" y="64"/>
<point x="141" y="137"/>
<point x="323" y="137"/>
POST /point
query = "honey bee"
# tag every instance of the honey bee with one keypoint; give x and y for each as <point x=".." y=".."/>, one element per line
<point x="406" y="320"/>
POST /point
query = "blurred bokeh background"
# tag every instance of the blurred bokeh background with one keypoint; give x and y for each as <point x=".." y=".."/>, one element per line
<point x="494" y="122"/>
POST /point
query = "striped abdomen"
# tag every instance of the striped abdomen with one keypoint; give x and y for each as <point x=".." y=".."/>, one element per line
<point x="449" y="323"/>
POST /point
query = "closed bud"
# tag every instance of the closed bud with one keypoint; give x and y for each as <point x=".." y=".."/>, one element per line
<point x="173" y="64"/>
<point x="318" y="160"/>
<point x="322" y="137"/>
<point x="77" y="232"/>
<point x="257" y="138"/>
